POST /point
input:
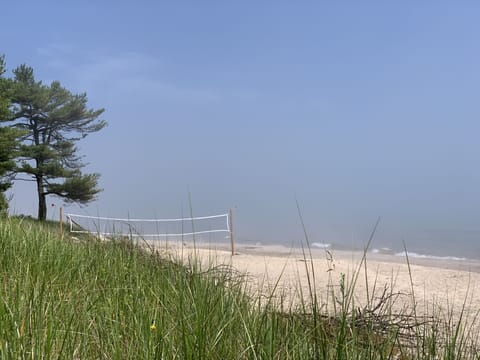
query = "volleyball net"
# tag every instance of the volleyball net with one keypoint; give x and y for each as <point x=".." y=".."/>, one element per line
<point x="202" y="228"/>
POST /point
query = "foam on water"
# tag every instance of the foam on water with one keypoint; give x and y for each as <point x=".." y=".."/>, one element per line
<point x="383" y="250"/>
<point x="321" y="245"/>
<point x="425" y="256"/>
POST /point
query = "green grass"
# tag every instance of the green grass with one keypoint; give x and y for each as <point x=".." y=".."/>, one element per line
<point x="63" y="299"/>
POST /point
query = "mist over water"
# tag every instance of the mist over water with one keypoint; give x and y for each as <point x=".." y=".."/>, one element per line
<point x="419" y="242"/>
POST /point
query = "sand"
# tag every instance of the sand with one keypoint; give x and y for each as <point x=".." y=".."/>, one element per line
<point x="438" y="286"/>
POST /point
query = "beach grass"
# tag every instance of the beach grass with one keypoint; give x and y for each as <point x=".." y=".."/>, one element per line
<point x="71" y="299"/>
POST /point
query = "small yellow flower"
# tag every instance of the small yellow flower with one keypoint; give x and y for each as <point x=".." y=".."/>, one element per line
<point x="152" y="327"/>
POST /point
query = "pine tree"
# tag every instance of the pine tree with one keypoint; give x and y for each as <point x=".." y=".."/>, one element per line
<point x="53" y="120"/>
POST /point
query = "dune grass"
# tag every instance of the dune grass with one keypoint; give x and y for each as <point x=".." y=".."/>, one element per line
<point x="62" y="299"/>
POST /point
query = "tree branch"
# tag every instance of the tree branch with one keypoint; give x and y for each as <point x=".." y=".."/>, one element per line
<point x="21" y="179"/>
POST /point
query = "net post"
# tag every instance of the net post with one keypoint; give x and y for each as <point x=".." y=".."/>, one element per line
<point x="230" y="225"/>
<point x="61" y="223"/>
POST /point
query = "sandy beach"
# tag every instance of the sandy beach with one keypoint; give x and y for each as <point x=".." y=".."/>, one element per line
<point x="439" y="286"/>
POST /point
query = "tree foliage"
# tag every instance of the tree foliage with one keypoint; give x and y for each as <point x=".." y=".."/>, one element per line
<point x="53" y="120"/>
<point x="8" y="142"/>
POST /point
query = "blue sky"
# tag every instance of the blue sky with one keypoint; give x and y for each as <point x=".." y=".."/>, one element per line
<point x="358" y="110"/>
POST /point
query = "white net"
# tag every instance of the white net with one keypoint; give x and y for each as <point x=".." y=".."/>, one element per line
<point x="202" y="227"/>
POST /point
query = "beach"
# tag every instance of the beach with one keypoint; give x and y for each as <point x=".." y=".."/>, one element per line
<point x="286" y="275"/>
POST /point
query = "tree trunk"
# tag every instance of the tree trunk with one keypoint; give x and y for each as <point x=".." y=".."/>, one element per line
<point x="42" y="201"/>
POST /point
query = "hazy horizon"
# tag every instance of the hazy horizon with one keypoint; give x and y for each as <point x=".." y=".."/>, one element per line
<point x="355" y="111"/>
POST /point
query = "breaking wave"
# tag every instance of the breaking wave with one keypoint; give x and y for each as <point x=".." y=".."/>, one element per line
<point x="321" y="245"/>
<point x="424" y="256"/>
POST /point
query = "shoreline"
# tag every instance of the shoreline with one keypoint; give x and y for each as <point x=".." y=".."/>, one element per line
<point x="448" y="263"/>
<point x="437" y="262"/>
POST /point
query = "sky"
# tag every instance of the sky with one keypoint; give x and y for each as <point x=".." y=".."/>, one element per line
<point x="357" y="110"/>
